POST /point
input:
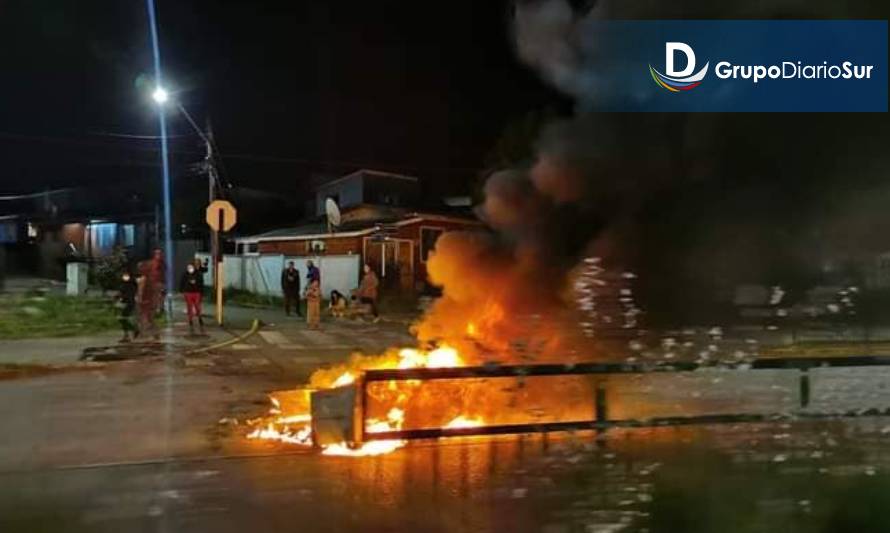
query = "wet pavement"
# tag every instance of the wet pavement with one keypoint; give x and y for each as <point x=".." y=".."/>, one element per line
<point x="158" y="444"/>
<point x="153" y="445"/>
<point x="829" y="476"/>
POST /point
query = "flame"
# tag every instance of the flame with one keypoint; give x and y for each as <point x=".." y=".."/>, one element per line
<point x="291" y="427"/>
<point x="377" y="447"/>
<point x="303" y="436"/>
<point x="462" y="421"/>
<point x="345" y="379"/>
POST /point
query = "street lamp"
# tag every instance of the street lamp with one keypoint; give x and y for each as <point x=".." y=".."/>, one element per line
<point x="160" y="96"/>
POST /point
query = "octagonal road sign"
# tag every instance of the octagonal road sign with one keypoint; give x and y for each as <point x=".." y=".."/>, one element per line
<point x="221" y="215"/>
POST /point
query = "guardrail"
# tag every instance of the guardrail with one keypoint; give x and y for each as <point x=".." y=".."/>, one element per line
<point x="602" y="422"/>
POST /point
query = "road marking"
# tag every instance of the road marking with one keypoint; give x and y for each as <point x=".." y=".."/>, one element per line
<point x="317" y="337"/>
<point x="255" y="361"/>
<point x="292" y="346"/>
<point x="307" y="360"/>
<point x="198" y="362"/>
<point x="274" y="337"/>
<point x="243" y="346"/>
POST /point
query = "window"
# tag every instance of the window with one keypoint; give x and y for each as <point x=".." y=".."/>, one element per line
<point x="128" y="235"/>
<point x="428" y="238"/>
<point x="8" y="232"/>
<point x="104" y="237"/>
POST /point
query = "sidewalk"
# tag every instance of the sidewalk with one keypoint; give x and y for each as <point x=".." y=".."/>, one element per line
<point x="60" y="351"/>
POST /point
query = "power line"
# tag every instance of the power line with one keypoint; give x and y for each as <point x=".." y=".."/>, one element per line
<point x="266" y="158"/>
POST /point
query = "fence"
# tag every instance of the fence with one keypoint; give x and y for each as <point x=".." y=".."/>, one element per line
<point x="342" y="412"/>
<point x="261" y="274"/>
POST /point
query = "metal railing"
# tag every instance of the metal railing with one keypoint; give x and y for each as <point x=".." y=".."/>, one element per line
<point x="601" y="420"/>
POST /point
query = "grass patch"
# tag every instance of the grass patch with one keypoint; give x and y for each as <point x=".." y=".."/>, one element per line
<point x="33" y="315"/>
<point x="244" y="298"/>
<point x="387" y="304"/>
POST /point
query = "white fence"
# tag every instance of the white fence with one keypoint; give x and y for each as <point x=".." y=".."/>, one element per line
<point x="261" y="274"/>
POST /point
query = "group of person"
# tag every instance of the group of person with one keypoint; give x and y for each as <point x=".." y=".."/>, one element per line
<point x="141" y="296"/>
<point x="366" y="294"/>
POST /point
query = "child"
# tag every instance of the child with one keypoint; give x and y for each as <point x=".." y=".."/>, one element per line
<point x="126" y="303"/>
<point x="337" y="304"/>
<point x="313" y="304"/>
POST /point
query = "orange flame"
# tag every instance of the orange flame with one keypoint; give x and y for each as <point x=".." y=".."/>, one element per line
<point x="296" y="427"/>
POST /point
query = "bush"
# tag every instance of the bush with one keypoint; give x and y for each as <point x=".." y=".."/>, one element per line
<point x="108" y="269"/>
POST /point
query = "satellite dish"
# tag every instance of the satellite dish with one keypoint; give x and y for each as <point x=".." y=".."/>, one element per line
<point x="333" y="212"/>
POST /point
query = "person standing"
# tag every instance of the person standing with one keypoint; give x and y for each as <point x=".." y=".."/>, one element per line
<point x="290" y="287"/>
<point x="313" y="304"/>
<point x="312" y="273"/>
<point x="192" y="288"/>
<point x="368" y="290"/>
<point x="157" y="274"/>
<point x="147" y="300"/>
<point x="126" y="301"/>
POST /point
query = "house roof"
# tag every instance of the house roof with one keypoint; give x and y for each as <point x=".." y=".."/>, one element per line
<point x="366" y="172"/>
<point x="319" y="229"/>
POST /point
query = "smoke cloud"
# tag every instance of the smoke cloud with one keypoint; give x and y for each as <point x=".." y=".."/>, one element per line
<point x="692" y="203"/>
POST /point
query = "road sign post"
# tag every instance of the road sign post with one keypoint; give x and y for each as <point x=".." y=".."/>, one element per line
<point x="221" y="216"/>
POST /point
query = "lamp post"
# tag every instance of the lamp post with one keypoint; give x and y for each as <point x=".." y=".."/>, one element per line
<point x="162" y="97"/>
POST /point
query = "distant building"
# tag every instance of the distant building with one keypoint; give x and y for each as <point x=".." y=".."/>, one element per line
<point x="369" y="187"/>
<point x="42" y="231"/>
<point x="382" y="224"/>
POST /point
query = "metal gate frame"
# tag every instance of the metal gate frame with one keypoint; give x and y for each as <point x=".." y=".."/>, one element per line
<point x="602" y="422"/>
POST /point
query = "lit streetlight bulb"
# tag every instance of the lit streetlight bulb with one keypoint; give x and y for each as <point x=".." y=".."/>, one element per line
<point x="160" y="96"/>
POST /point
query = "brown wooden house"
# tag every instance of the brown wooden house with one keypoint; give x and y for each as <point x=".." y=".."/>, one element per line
<point x="396" y="247"/>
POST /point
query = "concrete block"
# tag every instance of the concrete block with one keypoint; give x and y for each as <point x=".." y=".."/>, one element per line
<point x="77" y="275"/>
<point x="336" y="416"/>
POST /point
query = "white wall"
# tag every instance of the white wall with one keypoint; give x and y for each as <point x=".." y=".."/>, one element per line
<point x="340" y="272"/>
<point x="261" y="274"/>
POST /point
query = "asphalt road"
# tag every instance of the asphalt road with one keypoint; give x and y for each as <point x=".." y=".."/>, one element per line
<point x="158" y="444"/>
<point x="150" y="446"/>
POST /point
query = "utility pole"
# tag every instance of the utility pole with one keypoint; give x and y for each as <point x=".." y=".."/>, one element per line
<point x="210" y="161"/>
<point x="213" y="190"/>
<point x="215" y="252"/>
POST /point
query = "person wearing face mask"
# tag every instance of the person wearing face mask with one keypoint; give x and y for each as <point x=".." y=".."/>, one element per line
<point x="192" y="288"/>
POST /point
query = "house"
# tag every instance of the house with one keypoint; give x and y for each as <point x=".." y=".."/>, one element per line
<point x="41" y="231"/>
<point x="369" y="188"/>
<point x="381" y="225"/>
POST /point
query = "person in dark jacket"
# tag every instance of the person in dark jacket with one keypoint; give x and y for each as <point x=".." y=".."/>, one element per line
<point x="290" y="286"/>
<point x="192" y="288"/>
<point x="312" y="273"/>
<point x="126" y="304"/>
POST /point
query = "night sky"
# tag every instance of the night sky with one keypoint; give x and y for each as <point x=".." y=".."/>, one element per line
<point x="293" y="89"/>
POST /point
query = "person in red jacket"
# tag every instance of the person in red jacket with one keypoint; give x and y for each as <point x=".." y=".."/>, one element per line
<point x="157" y="278"/>
<point x="191" y="285"/>
<point x="147" y="301"/>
